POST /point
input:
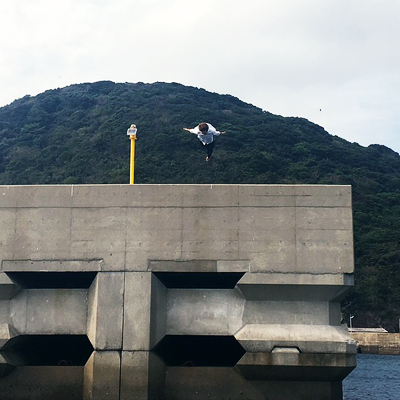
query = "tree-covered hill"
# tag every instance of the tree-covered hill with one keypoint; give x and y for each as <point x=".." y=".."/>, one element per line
<point x="78" y="135"/>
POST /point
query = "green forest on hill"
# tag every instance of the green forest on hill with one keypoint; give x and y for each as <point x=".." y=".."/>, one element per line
<point x="78" y="135"/>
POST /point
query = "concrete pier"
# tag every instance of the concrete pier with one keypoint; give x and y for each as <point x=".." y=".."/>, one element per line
<point x="174" y="292"/>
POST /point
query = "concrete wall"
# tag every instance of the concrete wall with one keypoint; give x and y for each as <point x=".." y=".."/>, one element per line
<point x="377" y="343"/>
<point x="245" y="279"/>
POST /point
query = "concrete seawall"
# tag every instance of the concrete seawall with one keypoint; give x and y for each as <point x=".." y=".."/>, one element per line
<point x="174" y="291"/>
<point x="377" y="343"/>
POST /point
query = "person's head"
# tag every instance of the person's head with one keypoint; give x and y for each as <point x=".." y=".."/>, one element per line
<point x="203" y="128"/>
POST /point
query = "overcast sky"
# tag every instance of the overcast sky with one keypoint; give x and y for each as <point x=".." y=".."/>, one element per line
<point x="334" y="62"/>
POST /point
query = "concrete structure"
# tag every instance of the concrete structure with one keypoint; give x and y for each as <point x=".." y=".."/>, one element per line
<point x="174" y="292"/>
<point x="376" y="341"/>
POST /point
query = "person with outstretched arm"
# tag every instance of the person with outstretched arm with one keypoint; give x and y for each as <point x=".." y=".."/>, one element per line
<point x="205" y="133"/>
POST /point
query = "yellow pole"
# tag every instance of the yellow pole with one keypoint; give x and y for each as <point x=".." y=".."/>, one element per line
<point x="132" y="174"/>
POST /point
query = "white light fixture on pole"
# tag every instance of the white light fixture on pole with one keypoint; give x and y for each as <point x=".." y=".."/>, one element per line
<point x="351" y="317"/>
<point x="131" y="132"/>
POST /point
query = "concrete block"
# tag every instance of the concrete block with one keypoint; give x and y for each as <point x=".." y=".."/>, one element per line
<point x="97" y="196"/>
<point x="155" y="244"/>
<point x="210" y="234"/>
<point x="157" y="371"/>
<point x="7" y="332"/>
<point x="267" y="238"/>
<point x="213" y="244"/>
<point x="44" y="196"/>
<point x="269" y="251"/>
<point x="204" y="383"/>
<point x="52" y="265"/>
<point x="233" y="266"/>
<point x="100" y="233"/>
<point x="8" y="289"/>
<point x="137" y="306"/>
<point x="204" y="311"/>
<point x="295" y="390"/>
<point x="324" y="218"/>
<point x="158" y="311"/>
<point x="96" y="219"/>
<point x="93" y="243"/>
<point x="212" y="239"/>
<point x="152" y="219"/>
<point x="152" y="233"/>
<point x="5" y="366"/>
<point x="298" y="279"/>
<point x="323" y="196"/>
<point x="42" y="233"/>
<point x="209" y="383"/>
<point x="293" y="243"/>
<point x="211" y="218"/>
<point x="8" y="196"/>
<point x="136" y="261"/>
<point x="308" y="339"/>
<point x="102" y="376"/>
<point x="294" y="287"/>
<point x="155" y="195"/>
<point x="383" y="343"/>
<point x="7" y="232"/>
<point x="135" y="375"/>
<point x="105" y="311"/>
<point x="127" y="195"/>
<point x="205" y="196"/>
<point x="255" y="219"/>
<point x="334" y="312"/>
<point x="112" y="261"/>
<point x="42" y="383"/>
<point x="8" y="361"/>
<point x="267" y="195"/>
<point x="142" y="376"/>
<point x="50" y="311"/>
<point x="291" y="312"/>
<point x="198" y="249"/>
<point x="183" y="266"/>
<point x="5" y="311"/>
<point x="289" y="363"/>
<point x="325" y="251"/>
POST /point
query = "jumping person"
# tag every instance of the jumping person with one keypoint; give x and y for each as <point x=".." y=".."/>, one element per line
<point x="206" y="132"/>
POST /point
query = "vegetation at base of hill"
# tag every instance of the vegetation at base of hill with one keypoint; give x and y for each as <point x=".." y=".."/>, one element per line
<point x="78" y="135"/>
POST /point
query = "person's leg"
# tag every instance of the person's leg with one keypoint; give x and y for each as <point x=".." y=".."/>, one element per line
<point x="210" y="149"/>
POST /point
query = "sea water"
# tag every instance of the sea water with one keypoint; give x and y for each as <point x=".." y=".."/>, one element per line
<point x="375" y="378"/>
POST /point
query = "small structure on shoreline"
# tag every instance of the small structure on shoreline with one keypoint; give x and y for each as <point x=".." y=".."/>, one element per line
<point x="376" y="341"/>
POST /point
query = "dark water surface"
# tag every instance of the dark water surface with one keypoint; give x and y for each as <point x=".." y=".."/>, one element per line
<point x="376" y="377"/>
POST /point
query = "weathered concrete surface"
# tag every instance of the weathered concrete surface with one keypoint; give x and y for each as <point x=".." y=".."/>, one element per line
<point x="228" y="383"/>
<point x="261" y="265"/>
<point x="43" y="383"/>
<point x="377" y="343"/>
<point x="51" y="311"/>
<point x="105" y="313"/>
<point x="275" y="228"/>
<point x="204" y="312"/>
<point x="7" y="288"/>
<point x="102" y="376"/>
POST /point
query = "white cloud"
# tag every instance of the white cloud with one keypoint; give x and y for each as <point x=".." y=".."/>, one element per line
<point x="290" y="57"/>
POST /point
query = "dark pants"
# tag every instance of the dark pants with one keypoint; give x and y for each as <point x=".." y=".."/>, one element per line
<point x="210" y="148"/>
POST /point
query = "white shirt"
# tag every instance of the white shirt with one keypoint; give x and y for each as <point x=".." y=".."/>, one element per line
<point x="208" y="137"/>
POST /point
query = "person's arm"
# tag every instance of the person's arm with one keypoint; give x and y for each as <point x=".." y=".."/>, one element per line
<point x="217" y="133"/>
<point x="213" y="131"/>
<point x="194" y="130"/>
